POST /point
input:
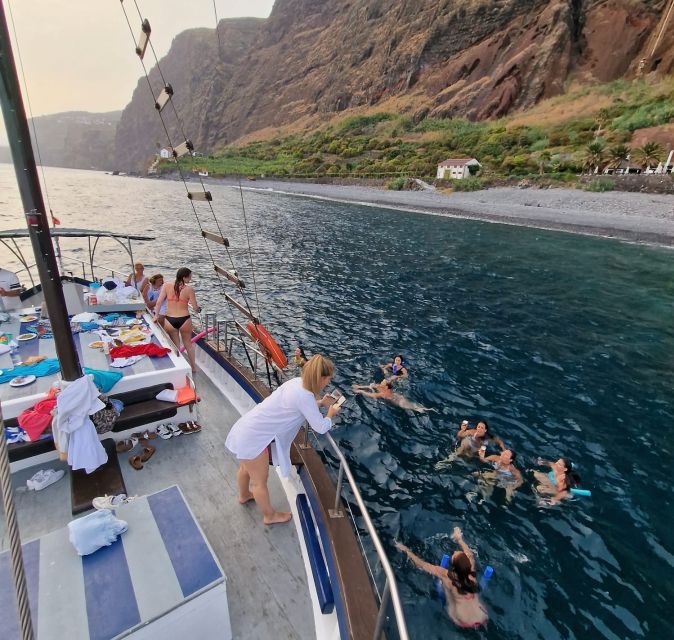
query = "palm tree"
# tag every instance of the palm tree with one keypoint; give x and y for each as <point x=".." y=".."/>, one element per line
<point x="594" y="155"/>
<point x="648" y="154"/>
<point x="617" y="154"/>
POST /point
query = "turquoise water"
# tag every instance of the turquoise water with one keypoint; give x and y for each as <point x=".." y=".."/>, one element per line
<point x="563" y="343"/>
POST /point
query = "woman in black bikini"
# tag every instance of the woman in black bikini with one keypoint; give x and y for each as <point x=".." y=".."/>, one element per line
<point x="178" y="322"/>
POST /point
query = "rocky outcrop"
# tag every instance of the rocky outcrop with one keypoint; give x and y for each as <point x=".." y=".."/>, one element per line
<point x="311" y="59"/>
<point x="77" y="139"/>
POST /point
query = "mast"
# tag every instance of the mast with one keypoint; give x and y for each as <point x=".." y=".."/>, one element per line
<point x="33" y="204"/>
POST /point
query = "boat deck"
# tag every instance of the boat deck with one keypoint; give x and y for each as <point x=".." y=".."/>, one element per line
<point x="170" y="368"/>
<point x="266" y="580"/>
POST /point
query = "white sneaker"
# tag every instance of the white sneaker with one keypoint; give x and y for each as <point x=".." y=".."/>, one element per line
<point x="44" y="478"/>
<point x="111" y="502"/>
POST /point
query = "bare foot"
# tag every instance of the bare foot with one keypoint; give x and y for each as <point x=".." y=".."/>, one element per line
<point x="246" y="498"/>
<point x="278" y="518"/>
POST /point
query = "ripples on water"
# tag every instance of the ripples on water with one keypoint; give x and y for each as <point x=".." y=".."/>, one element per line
<point x="563" y="343"/>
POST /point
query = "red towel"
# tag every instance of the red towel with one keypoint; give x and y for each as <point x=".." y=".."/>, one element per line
<point x="36" y="419"/>
<point x="153" y="350"/>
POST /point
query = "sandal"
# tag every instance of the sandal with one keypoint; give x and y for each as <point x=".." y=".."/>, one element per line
<point x="195" y="427"/>
<point x="148" y="452"/>
<point x="165" y="432"/>
<point x="136" y="462"/>
<point x="126" y="445"/>
<point x="145" y="435"/>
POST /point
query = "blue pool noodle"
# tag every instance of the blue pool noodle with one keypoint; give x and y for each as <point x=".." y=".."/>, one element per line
<point x="444" y="563"/>
<point x="581" y="492"/>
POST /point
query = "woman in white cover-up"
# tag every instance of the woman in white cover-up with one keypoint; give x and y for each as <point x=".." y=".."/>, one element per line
<point x="278" y="418"/>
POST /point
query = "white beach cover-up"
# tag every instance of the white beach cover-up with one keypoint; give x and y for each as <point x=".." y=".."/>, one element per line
<point x="74" y="406"/>
<point x="278" y="417"/>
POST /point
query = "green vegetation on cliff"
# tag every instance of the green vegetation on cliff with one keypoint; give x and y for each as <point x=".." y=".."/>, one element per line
<point x="559" y="138"/>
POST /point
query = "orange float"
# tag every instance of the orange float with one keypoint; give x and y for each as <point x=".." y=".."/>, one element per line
<point x="264" y="338"/>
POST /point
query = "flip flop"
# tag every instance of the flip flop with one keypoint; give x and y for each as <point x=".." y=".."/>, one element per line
<point x="136" y="462"/>
<point x="126" y="445"/>
<point x="148" y="452"/>
<point x="195" y="427"/>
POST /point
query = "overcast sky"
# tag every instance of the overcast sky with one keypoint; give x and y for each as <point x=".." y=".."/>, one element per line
<point x="78" y="54"/>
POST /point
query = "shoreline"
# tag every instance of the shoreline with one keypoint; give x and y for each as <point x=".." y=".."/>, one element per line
<point x="632" y="217"/>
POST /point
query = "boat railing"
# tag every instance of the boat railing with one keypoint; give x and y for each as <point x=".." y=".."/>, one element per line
<point x="389" y="595"/>
<point x="96" y="271"/>
<point x="232" y="338"/>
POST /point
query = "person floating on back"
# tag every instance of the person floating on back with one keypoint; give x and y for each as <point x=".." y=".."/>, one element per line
<point x="384" y="391"/>
<point x="459" y="581"/>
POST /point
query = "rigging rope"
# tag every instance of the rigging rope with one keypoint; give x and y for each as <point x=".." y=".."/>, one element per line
<point x="32" y="124"/>
<point x="184" y="181"/>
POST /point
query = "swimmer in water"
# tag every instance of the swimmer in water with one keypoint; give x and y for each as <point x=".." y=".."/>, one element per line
<point x="558" y="482"/>
<point x="473" y="439"/>
<point x="459" y="582"/>
<point x="384" y="390"/>
<point x="299" y="357"/>
<point x="397" y="368"/>
<point x="504" y="473"/>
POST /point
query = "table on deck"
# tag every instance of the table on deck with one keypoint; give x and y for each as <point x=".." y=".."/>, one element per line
<point x="160" y="579"/>
<point x="165" y="367"/>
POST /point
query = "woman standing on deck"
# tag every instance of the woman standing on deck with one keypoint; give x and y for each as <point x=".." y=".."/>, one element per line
<point x="151" y="293"/>
<point x="276" y="421"/>
<point x="177" y="322"/>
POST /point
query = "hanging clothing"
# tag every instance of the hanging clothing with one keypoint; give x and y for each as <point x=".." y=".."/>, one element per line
<point x="10" y="283"/>
<point x="278" y="417"/>
<point x="74" y="429"/>
<point x="152" y="349"/>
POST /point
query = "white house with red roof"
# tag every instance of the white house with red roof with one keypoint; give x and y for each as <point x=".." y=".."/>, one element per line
<point x="457" y="168"/>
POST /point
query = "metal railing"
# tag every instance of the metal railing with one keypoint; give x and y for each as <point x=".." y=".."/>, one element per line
<point x="390" y="593"/>
<point x="91" y="276"/>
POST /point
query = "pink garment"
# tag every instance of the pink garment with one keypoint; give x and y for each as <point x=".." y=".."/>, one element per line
<point x="37" y="419"/>
<point x="152" y="350"/>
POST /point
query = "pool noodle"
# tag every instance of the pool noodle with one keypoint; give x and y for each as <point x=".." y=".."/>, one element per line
<point x="576" y="492"/>
<point x="444" y="563"/>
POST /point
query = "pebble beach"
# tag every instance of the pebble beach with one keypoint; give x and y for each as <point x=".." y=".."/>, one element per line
<point x="634" y="217"/>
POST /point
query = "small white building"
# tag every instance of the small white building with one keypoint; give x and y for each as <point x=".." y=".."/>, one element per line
<point x="165" y="154"/>
<point x="457" y="168"/>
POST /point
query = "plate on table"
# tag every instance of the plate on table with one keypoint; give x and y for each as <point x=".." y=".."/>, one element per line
<point x="26" y="336"/>
<point x="96" y="344"/>
<point x="28" y="318"/>
<point x="21" y="381"/>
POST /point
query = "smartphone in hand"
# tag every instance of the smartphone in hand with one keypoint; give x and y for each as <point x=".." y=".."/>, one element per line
<point x="340" y="401"/>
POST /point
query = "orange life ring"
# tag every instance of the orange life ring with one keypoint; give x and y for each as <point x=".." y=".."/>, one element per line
<point x="263" y="336"/>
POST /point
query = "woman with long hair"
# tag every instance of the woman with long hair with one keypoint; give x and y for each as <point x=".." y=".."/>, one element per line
<point x="276" y="421"/>
<point x="177" y="321"/>
<point x="559" y="481"/>
<point x="151" y="292"/>
<point x="459" y="582"/>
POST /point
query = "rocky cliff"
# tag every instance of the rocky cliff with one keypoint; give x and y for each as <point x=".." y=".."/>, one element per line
<point x="311" y="59"/>
<point x="77" y="139"/>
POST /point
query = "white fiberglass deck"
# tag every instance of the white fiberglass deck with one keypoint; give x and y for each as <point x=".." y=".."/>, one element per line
<point x="267" y="585"/>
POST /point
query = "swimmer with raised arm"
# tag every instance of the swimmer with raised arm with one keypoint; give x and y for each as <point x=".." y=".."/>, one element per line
<point x="384" y="391"/>
<point x="459" y="582"/>
<point x="559" y="481"/>
<point x="472" y="440"/>
<point x="395" y="370"/>
<point x="504" y="473"/>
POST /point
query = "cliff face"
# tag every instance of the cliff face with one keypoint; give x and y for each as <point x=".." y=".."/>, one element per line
<point x="77" y="139"/>
<point x="311" y="58"/>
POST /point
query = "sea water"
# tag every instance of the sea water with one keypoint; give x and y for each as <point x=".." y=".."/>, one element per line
<point x="563" y="343"/>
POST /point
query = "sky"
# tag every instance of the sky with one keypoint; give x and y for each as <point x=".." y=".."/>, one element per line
<point x="78" y="54"/>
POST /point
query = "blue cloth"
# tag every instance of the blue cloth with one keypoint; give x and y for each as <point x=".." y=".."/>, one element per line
<point x="89" y="326"/>
<point x="118" y="405"/>
<point x="98" y="529"/>
<point x="45" y="368"/>
<point x="104" y="380"/>
<point x="111" y="317"/>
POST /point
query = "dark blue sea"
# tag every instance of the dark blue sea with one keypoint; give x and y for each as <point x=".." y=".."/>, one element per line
<point x="563" y="343"/>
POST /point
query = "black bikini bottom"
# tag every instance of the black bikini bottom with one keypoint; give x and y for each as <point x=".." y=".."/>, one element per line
<point x="176" y="323"/>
